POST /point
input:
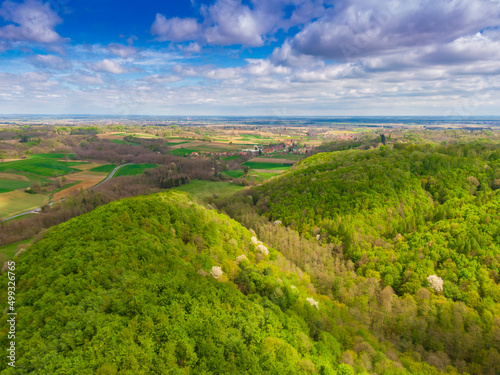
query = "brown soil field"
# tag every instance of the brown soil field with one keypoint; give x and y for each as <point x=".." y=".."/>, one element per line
<point x="88" y="179"/>
<point x="15" y="177"/>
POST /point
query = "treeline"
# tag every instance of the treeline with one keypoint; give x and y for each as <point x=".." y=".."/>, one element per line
<point x="390" y="219"/>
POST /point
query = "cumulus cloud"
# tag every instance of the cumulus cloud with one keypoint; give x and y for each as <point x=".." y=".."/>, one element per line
<point x="32" y="21"/>
<point x="108" y="66"/>
<point x="358" y="28"/>
<point x="175" y="29"/>
<point x="230" y="22"/>
<point x="121" y="50"/>
<point x="50" y="62"/>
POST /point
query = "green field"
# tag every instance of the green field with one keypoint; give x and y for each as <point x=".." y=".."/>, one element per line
<point x="16" y="202"/>
<point x="205" y="189"/>
<point x="233" y="157"/>
<point x="133" y="169"/>
<point x="257" y="165"/>
<point x="53" y="156"/>
<point x="107" y="168"/>
<point x="40" y="166"/>
<point x="182" y="151"/>
<point x="176" y="143"/>
<point x="10" y="250"/>
<point x="9" y="185"/>
<point x="235" y="173"/>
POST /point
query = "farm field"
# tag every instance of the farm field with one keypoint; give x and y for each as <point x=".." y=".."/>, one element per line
<point x="10" y="185"/>
<point x="276" y="160"/>
<point x="205" y="189"/>
<point x="265" y="165"/>
<point x="15" y="202"/>
<point x="106" y="168"/>
<point x="82" y="180"/>
<point x="133" y="169"/>
<point x="38" y="165"/>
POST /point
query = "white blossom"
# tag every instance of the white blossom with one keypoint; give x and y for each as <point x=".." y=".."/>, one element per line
<point x="216" y="272"/>
<point x="241" y="258"/>
<point x="262" y="249"/>
<point x="318" y="237"/>
<point x="277" y="222"/>
<point x="254" y="240"/>
<point x="313" y="302"/>
<point x="435" y="282"/>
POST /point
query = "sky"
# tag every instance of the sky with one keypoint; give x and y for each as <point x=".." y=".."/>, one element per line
<point x="251" y="57"/>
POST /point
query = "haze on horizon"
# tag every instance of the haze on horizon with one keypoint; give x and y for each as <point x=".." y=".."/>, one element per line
<point x="255" y="58"/>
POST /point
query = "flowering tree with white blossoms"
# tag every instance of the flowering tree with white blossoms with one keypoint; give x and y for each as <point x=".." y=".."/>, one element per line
<point x="241" y="258"/>
<point x="216" y="272"/>
<point x="435" y="282"/>
<point x="313" y="302"/>
<point x="263" y="249"/>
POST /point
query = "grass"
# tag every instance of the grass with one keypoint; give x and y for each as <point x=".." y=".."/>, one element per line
<point x="53" y="156"/>
<point x="10" y="185"/>
<point x="235" y="173"/>
<point x="133" y="169"/>
<point x="205" y="189"/>
<point x="107" y="168"/>
<point x="176" y="143"/>
<point x="182" y="151"/>
<point x="233" y="157"/>
<point x="257" y="165"/>
<point x="40" y="166"/>
<point x="17" y="201"/>
<point x="10" y="250"/>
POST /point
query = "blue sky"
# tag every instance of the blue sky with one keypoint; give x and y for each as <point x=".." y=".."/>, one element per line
<point x="252" y="57"/>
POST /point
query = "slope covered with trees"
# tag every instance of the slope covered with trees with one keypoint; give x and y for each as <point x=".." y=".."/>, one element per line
<point x="422" y="220"/>
<point x="162" y="285"/>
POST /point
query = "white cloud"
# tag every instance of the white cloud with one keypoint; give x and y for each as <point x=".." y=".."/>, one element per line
<point x="50" y="62"/>
<point x="35" y="22"/>
<point x="121" y="50"/>
<point x="230" y="22"/>
<point x="358" y="28"/>
<point x="108" y="66"/>
<point x="175" y="29"/>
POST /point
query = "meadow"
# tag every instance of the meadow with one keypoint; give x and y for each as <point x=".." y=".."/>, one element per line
<point x="264" y="165"/>
<point x="17" y="201"/>
<point x="133" y="169"/>
<point x="205" y="189"/>
<point x="10" y="185"/>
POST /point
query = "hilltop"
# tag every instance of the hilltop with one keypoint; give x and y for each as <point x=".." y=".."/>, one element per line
<point x="162" y="284"/>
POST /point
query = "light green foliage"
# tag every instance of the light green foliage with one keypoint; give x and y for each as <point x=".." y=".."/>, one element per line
<point x="121" y="290"/>
<point x="400" y="215"/>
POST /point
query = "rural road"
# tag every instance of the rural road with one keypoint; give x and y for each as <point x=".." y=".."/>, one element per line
<point x="36" y="210"/>
<point x="110" y="175"/>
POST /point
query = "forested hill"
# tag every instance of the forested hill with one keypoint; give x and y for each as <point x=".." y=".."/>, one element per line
<point x="421" y="219"/>
<point x="161" y="285"/>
